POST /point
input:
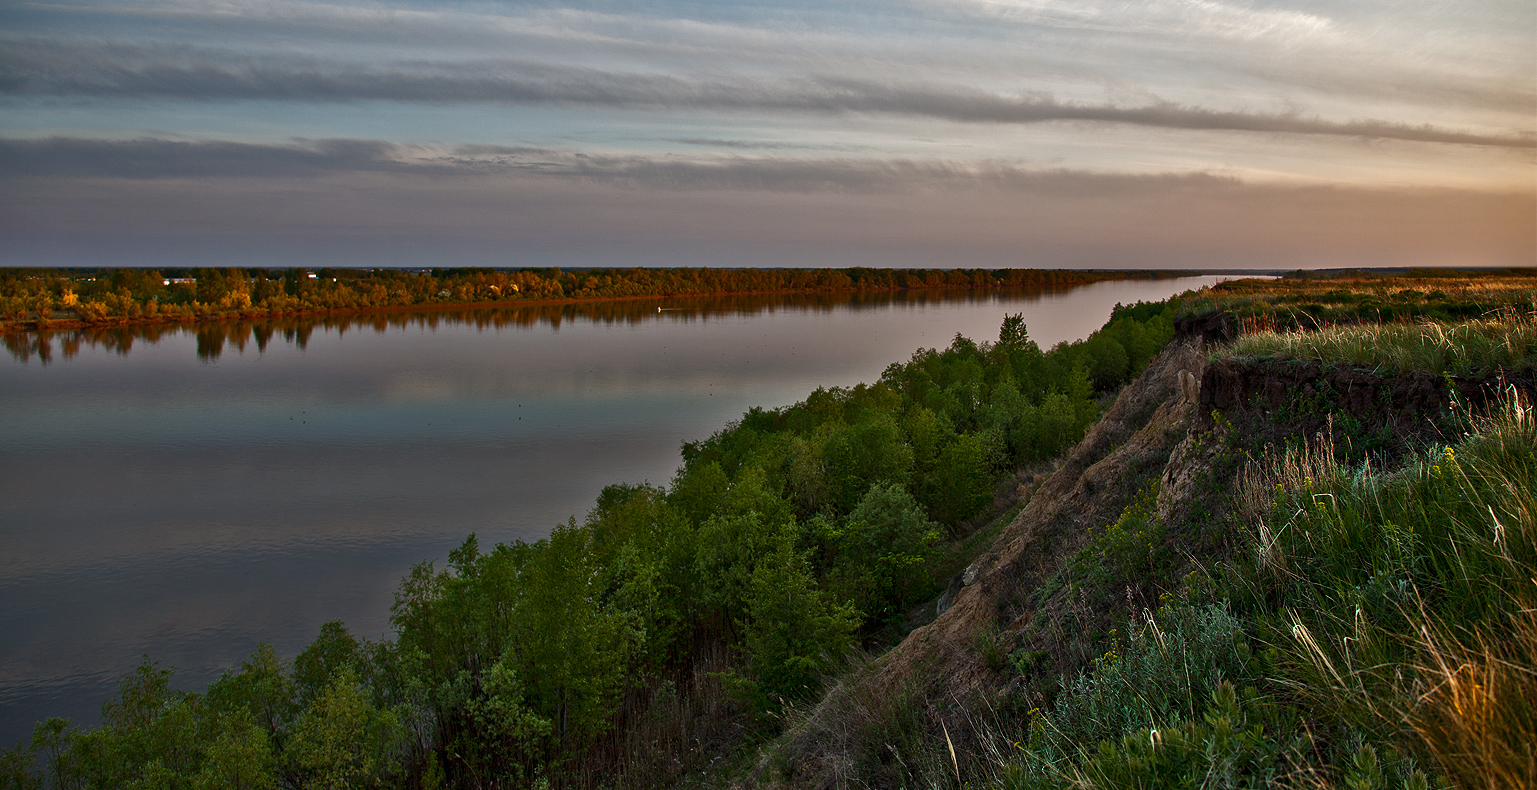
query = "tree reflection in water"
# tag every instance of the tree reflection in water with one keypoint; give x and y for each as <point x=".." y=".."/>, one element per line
<point x="213" y="337"/>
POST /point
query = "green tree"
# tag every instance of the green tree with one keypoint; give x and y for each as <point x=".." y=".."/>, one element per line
<point x="794" y="631"/>
<point x="342" y="740"/>
<point x="1106" y="361"/>
<point x="727" y="550"/>
<point x="239" y="758"/>
<point x="699" y="491"/>
<point x="890" y="535"/>
<point x="334" y="648"/>
<point x="871" y="451"/>
<point x="505" y="736"/>
<point x="570" y="644"/>
<point x="962" y="483"/>
<point x="262" y="693"/>
<point x="151" y="735"/>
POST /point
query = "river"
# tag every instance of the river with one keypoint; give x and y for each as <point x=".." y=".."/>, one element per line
<point x="186" y="493"/>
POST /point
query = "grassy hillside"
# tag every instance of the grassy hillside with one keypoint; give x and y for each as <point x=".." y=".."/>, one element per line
<point x="1263" y="594"/>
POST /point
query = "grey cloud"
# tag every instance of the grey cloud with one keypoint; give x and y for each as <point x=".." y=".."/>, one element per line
<point x="843" y="175"/>
<point x="42" y="69"/>
<point x="746" y="145"/>
<point x="146" y="159"/>
<point x="150" y="158"/>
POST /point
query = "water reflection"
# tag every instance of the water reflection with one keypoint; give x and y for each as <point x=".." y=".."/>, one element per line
<point x="213" y="337"/>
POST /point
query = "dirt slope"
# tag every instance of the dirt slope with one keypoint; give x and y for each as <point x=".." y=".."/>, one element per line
<point x="942" y="661"/>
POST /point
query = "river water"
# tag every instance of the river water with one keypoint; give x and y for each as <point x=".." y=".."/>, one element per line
<point x="188" y="493"/>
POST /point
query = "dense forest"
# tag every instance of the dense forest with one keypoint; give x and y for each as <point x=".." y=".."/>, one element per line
<point x="38" y="298"/>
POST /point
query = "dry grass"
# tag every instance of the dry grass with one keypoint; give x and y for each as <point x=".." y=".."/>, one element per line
<point x="861" y="735"/>
<point x="1482" y="288"/>
<point x="1477" y="707"/>
<point x="1309" y="468"/>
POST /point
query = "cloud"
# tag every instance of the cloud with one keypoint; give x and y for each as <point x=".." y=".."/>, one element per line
<point x="36" y="68"/>
<point x="152" y="159"/>
<point x="63" y="157"/>
<point x="816" y="174"/>
<point x="1187" y="18"/>
<point x="748" y="145"/>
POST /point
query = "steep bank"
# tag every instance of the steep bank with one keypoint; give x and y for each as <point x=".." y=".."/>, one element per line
<point x="1395" y="411"/>
<point x="1174" y="482"/>
<point x="1003" y="598"/>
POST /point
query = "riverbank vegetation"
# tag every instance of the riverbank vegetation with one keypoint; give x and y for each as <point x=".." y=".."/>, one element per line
<point x="1270" y="599"/>
<point x="39" y="298"/>
<point x="1187" y="597"/>
<point x="1304" y="301"/>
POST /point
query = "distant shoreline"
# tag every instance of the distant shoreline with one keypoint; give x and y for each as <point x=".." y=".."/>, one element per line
<point x="69" y="319"/>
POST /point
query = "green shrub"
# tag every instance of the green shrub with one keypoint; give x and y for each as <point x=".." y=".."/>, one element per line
<point x="1159" y="673"/>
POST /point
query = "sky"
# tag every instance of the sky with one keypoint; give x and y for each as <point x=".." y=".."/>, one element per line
<point x="927" y="133"/>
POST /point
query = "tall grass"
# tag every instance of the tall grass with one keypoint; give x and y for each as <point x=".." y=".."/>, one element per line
<point x="1476" y="711"/>
<point x="1508" y="341"/>
<point x="1397" y="616"/>
<point x="1410" y="600"/>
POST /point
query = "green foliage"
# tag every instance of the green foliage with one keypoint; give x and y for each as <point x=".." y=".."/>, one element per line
<point x="1131" y="549"/>
<point x="1225" y="748"/>
<point x="729" y="547"/>
<point x="504" y="732"/>
<point x="332" y="651"/>
<point x="342" y="740"/>
<point x="262" y="691"/>
<point x="1159" y="674"/>
<point x="240" y="758"/>
<point x="870" y="452"/>
<point x="877" y="557"/>
<point x="1396" y="611"/>
<point x="945" y="424"/>
<point x="794" y="631"/>
<point x="962" y="483"/>
<point x="571" y="646"/>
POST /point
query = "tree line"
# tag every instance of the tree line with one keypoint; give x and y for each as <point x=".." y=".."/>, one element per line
<point x="34" y="298"/>
<point x="785" y="540"/>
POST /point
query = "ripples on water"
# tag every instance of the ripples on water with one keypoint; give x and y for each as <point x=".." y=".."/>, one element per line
<point x="187" y="491"/>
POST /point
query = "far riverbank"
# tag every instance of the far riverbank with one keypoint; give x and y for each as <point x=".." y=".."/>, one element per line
<point x="40" y="300"/>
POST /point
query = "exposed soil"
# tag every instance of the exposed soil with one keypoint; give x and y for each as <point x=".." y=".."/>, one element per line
<point x="942" y="661"/>
<point x="1396" y="411"/>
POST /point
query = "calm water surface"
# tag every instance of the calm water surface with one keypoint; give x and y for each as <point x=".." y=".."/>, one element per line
<point x="187" y="494"/>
